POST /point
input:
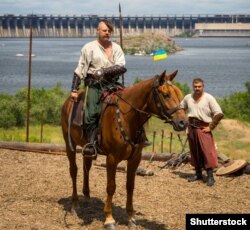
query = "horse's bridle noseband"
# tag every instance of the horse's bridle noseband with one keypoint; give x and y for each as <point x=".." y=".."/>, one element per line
<point x="164" y="114"/>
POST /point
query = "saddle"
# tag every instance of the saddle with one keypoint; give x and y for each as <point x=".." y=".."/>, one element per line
<point x="108" y="98"/>
<point x="78" y="113"/>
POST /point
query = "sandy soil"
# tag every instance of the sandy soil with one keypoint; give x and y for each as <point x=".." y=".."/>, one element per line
<point x="232" y="126"/>
<point x="35" y="193"/>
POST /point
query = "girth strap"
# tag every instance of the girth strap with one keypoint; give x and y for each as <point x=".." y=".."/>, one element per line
<point x="123" y="132"/>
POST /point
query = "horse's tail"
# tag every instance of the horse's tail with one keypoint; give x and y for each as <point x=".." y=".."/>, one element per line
<point x="69" y="129"/>
<point x="66" y="119"/>
<point x="69" y="125"/>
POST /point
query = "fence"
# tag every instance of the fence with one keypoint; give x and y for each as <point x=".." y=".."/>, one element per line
<point x="171" y="142"/>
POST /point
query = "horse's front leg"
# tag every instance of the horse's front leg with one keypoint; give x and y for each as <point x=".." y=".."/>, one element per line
<point x="132" y="166"/>
<point x="87" y="163"/>
<point x="111" y="186"/>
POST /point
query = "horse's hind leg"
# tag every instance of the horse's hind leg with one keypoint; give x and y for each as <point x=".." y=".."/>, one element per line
<point x="73" y="173"/>
<point x="87" y="163"/>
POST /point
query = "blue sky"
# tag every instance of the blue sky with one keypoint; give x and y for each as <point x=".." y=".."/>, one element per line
<point x="129" y="7"/>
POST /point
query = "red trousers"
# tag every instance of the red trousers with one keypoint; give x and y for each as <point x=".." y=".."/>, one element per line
<point x="202" y="149"/>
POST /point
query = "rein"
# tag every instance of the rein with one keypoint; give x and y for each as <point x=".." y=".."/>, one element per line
<point x="164" y="114"/>
<point x="122" y="130"/>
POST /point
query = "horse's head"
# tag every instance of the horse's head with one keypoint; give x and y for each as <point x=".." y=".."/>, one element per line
<point x="166" y="101"/>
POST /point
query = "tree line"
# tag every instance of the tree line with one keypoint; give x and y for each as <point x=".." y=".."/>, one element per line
<point x="45" y="107"/>
<point x="46" y="104"/>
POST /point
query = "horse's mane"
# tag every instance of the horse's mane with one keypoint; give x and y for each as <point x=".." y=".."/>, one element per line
<point x="137" y="86"/>
<point x="178" y="92"/>
<point x="141" y="85"/>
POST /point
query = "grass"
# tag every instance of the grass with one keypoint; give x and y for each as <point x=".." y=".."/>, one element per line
<point x="164" y="138"/>
<point x="233" y="143"/>
<point x="51" y="134"/>
<point x="233" y="147"/>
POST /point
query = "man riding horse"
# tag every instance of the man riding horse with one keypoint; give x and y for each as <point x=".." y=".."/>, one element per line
<point x="100" y="65"/>
<point x="122" y="137"/>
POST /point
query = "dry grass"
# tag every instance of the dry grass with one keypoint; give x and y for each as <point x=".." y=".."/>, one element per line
<point x="35" y="193"/>
<point x="231" y="138"/>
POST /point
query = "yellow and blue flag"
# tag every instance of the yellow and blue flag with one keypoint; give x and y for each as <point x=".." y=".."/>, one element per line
<point x="159" y="55"/>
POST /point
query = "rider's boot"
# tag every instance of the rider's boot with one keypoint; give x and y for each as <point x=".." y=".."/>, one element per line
<point x="90" y="149"/>
<point x="147" y="142"/>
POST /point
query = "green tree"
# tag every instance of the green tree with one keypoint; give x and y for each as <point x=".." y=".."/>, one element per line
<point x="7" y="118"/>
<point x="183" y="87"/>
<point x="45" y="107"/>
<point x="236" y="106"/>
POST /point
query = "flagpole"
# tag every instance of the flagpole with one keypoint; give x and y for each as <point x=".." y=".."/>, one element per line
<point x="120" y="29"/>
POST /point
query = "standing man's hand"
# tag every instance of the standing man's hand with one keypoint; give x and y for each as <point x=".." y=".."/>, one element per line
<point x="206" y="129"/>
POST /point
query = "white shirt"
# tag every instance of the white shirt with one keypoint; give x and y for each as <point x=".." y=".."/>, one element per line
<point x="93" y="57"/>
<point x="204" y="110"/>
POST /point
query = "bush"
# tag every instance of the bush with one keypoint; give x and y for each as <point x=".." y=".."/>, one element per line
<point x="45" y="107"/>
<point x="183" y="87"/>
<point x="9" y="112"/>
<point x="236" y="106"/>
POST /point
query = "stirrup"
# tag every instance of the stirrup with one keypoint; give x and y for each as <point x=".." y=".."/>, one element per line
<point x="92" y="156"/>
<point x="147" y="143"/>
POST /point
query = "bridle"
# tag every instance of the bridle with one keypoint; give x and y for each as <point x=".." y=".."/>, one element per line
<point x="164" y="114"/>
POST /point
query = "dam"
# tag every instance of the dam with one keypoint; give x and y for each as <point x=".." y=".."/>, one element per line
<point x="18" y="26"/>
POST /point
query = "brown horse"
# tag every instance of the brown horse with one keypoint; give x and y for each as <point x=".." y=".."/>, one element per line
<point x="122" y="134"/>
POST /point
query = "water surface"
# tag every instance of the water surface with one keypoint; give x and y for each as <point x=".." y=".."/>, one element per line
<point x="224" y="63"/>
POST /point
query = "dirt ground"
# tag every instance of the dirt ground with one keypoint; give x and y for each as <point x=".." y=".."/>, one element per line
<point x="35" y="193"/>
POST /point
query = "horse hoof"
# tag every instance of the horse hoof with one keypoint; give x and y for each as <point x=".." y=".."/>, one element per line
<point x="86" y="196"/>
<point x="75" y="206"/>
<point x="132" y="223"/>
<point x="110" y="226"/>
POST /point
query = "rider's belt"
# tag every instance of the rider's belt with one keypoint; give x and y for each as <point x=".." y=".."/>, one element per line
<point x="196" y="123"/>
<point x="90" y="81"/>
<point x="90" y="75"/>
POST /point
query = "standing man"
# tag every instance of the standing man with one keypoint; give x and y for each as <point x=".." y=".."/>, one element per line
<point x="204" y="114"/>
<point x="100" y="65"/>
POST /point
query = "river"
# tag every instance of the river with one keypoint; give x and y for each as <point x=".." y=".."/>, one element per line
<point x="223" y="63"/>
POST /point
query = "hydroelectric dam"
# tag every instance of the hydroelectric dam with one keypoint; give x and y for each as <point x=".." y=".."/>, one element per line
<point x="18" y="26"/>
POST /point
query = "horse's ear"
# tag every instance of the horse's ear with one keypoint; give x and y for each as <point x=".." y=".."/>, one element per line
<point x="162" y="77"/>
<point x="172" y="75"/>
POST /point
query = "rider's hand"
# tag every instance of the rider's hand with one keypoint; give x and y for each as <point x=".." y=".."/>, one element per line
<point x="98" y="74"/>
<point x="74" y="95"/>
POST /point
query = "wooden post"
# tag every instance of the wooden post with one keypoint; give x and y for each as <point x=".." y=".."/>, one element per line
<point x="120" y="29"/>
<point x="153" y="147"/>
<point x="42" y="123"/>
<point x="162" y="137"/>
<point x="170" y="143"/>
<point x="29" y="83"/>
